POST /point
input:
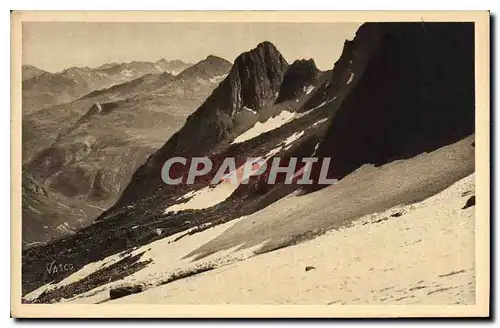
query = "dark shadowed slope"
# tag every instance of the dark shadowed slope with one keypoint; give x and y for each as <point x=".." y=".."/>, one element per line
<point x="415" y="95"/>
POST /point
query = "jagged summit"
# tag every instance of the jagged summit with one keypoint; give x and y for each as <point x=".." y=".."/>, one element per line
<point x="298" y="78"/>
<point x="266" y="44"/>
<point x="254" y="79"/>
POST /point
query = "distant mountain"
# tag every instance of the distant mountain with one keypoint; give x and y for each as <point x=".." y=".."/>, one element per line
<point x="87" y="150"/>
<point x="30" y="71"/>
<point x="49" y="89"/>
<point x="46" y="90"/>
<point x="173" y="67"/>
<point x="207" y="68"/>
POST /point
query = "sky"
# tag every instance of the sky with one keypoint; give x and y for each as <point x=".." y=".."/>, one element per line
<point x="54" y="46"/>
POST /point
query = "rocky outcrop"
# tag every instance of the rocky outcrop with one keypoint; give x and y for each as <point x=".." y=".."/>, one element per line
<point x="300" y="76"/>
<point x="124" y="290"/>
<point x="254" y="79"/>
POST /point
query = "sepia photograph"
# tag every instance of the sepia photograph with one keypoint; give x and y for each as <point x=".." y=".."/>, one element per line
<point x="250" y="164"/>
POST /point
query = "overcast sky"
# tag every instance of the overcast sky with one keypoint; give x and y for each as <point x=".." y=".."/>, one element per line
<point x="54" y="46"/>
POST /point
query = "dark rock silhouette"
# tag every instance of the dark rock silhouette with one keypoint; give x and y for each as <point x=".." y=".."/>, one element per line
<point x="415" y="95"/>
<point x="122" y="291"/>
<point x="347" y="69"/>
<point x="470" y="202"/>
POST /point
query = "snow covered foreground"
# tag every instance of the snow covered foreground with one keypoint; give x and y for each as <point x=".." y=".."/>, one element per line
<point x="168" y="261"/>
<point x="417" y="254"/>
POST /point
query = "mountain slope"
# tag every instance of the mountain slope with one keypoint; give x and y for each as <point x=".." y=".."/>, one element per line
<point x="47" y="215"/>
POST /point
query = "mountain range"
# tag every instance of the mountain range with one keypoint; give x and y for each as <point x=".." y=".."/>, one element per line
<point x="42" y="89"/>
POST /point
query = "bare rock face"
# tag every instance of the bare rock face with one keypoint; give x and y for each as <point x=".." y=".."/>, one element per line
<point x="253" y="82"/>
<point x="254" y="79"/>
<point x="299" y="76"/>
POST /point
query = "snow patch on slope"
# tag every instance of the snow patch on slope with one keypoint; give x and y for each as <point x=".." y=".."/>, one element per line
<point x="250" y="110"/>
<point x="204" y="198"/>
<point x="309" y="89"/>
<point x="218" y="78"/>
<point x="269" y="125"/>
<point x="351" y="77"/>
<point x="291" y="139"/>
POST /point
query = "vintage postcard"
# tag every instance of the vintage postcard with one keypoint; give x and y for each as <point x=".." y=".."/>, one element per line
<point x="250" y="164"/>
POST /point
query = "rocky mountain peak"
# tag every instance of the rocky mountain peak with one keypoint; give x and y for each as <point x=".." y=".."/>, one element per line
<point x="299" y="76"/>
<point x="254" y="79"/>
